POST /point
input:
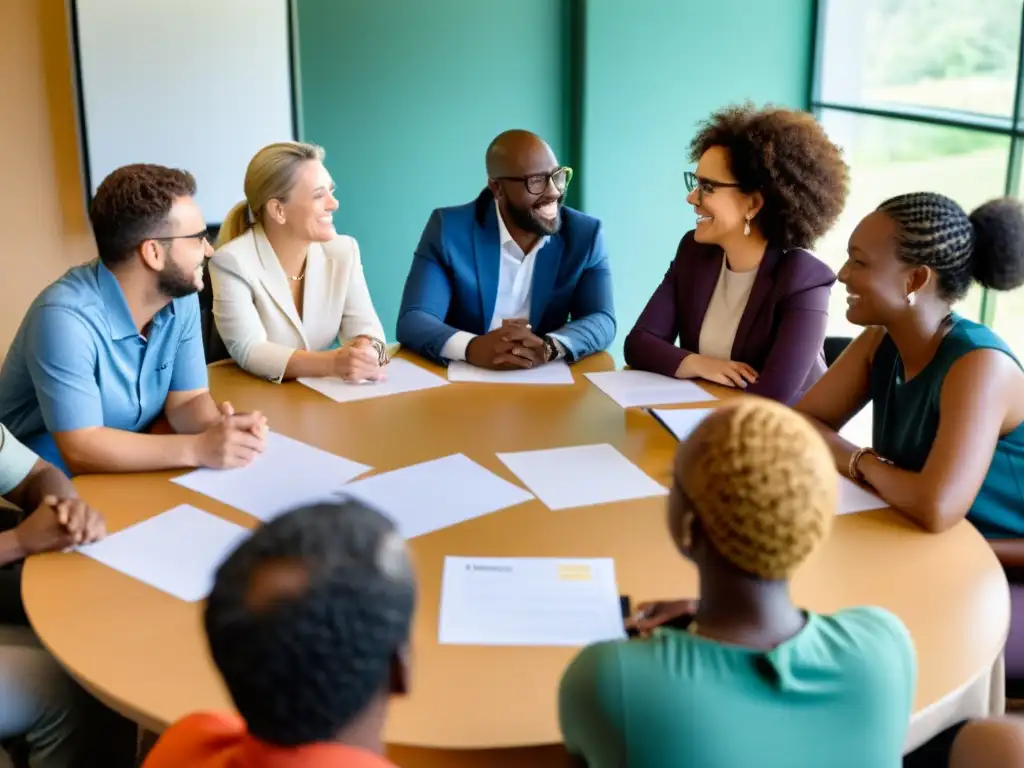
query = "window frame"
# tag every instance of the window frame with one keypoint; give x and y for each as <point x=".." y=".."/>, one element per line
<point x="1009" y="127"/>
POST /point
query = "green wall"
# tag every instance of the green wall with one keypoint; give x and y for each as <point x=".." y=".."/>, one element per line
<point x="406" y="107"/>
<point x="405" y="96"/>
<point x="654" y="68"/>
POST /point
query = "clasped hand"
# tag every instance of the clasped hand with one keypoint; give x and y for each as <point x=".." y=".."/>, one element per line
<point x="234" y="440"/>
<point x="59" y="524"/>
<point x="358" y="361"/>
<point x="512" y="346"/>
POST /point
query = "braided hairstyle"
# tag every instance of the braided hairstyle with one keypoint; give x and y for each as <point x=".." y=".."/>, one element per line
<point x="986" y="246"/>
<point x="305" y="618"/>
<point x="761" y="483"/>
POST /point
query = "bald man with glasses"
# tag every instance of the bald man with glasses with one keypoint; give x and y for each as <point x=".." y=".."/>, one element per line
<point x="514" y="279"/>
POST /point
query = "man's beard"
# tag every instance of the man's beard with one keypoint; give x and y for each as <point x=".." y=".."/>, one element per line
<point x="175" y="283"/>
<point x="527" y="219"/>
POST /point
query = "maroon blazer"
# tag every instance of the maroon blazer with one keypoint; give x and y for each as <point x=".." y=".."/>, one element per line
<point x="781" y="332"/>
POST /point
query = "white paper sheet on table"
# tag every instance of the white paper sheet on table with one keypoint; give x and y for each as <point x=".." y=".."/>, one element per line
<point x="556" y="372"/>
<point x="403" y="376"/>
<point x="637" y="388"/>
<point x="437" y="494"/>
<point x="581" y="475"/>
<point x="680" y="422"/>
<point x="177" y="551"/>
<point x="287" y="474"/>
<point x="853" y="498"/>
<point x="529" y="601"/>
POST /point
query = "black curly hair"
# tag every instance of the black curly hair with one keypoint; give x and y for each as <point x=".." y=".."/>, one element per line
<point x="132" y="204"/>
<point x="788" y="158"/>
<point x="987" y="245"/>
<point x="306" y="617"/>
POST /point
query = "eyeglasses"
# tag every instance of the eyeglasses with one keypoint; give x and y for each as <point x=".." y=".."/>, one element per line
<point x="202" y="236"/>
<point x="536" y="183"/>
<point x="705" y="186"/>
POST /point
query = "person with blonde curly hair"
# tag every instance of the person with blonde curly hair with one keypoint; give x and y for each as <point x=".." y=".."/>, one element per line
<point x="743" y="676"/>
<point x="754" y="494"/>
<point x="746" y="300"/>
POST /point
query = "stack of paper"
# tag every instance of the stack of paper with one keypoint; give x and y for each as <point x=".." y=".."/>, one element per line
<point x="178" y="551"/>
<point x="402" y="376"/>
<point x="682" y="421"/>
<point x="436" y="494"/>
<point x="287" y="474"/>
<point x="637" y="388"/>
<point x="529" y="601"/>
<point x="581" y="476"/>
<point x="556" y="372"/>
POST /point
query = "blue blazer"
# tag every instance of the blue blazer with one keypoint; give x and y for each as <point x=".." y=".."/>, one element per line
<point x="453" y="282"/>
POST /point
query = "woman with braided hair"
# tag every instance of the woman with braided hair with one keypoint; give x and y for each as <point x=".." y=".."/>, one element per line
<point x="948" y="394"/>
<point x="743" y="677"/>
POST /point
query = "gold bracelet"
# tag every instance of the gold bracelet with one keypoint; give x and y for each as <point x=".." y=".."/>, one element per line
<point x="860" y="453"/>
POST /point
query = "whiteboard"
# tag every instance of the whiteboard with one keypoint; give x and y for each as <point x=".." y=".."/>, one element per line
<point x="194" y="84"/>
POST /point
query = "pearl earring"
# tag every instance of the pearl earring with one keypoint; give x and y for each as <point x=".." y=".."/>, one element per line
<point x="746" y="228"/>
<point x="911" y="298"/>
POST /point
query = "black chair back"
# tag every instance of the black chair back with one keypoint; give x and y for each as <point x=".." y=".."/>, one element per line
<point x="834" y="346"/>
<point x="212" y="344"/>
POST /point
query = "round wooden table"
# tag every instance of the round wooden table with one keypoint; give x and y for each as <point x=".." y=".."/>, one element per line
<point x="143" y="652"/>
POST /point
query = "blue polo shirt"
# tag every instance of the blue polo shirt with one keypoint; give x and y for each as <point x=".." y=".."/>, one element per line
<point x="78" y="361"/>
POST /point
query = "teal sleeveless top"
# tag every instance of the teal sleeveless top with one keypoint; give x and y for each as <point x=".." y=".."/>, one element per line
<point x="906" y="420"/>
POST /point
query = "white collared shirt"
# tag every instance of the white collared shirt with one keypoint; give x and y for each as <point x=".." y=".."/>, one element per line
<point x="515" y="288"/>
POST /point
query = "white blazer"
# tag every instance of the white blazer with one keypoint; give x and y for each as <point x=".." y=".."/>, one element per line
<point x="253" y="308"/>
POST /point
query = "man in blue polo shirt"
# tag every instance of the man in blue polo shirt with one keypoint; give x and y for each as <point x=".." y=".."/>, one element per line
<point x="115" y="344"/>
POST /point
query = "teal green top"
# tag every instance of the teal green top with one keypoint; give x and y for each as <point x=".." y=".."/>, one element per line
<point x="837" y="694"/>
<point x="906" y="420"/>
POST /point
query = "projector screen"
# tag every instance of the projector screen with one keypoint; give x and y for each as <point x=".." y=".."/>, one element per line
<point x="193" y="84"/>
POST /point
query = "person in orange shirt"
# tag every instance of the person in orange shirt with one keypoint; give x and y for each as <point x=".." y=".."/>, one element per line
<point x="308" y="623"/>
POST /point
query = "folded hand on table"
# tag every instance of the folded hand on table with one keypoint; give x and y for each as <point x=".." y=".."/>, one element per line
<point x="234" y="440"/>
<point x="59" y="524"/>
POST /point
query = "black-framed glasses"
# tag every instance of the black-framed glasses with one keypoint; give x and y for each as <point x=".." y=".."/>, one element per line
<point x="706" y="186"/>
<point x="203" y="236"/>
<point x="536" y="183"/>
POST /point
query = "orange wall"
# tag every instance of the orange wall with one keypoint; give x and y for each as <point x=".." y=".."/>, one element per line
<point x="42" y="208"/>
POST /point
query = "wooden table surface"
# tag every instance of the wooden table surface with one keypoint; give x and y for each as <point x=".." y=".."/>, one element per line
<point x="143" y="652"/>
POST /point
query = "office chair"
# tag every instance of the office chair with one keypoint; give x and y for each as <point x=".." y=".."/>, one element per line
<point x="834" y="346"/>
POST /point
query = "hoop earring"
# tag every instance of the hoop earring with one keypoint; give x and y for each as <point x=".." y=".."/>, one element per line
<point x="746" y="228"/>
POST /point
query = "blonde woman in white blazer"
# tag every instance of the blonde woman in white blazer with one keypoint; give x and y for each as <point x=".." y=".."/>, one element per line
<point x="289" y="295"/>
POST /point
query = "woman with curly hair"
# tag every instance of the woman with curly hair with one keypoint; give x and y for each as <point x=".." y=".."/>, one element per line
<point x="746" y="301"/>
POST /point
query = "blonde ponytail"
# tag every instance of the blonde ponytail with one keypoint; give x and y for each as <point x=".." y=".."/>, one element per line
<point x="235" y="223"/>
<point x="270" y="176"/>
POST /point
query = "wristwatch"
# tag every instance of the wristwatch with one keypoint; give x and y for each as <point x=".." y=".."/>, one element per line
<point x="550" y="349"/>
<point x="380" y="348"/>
